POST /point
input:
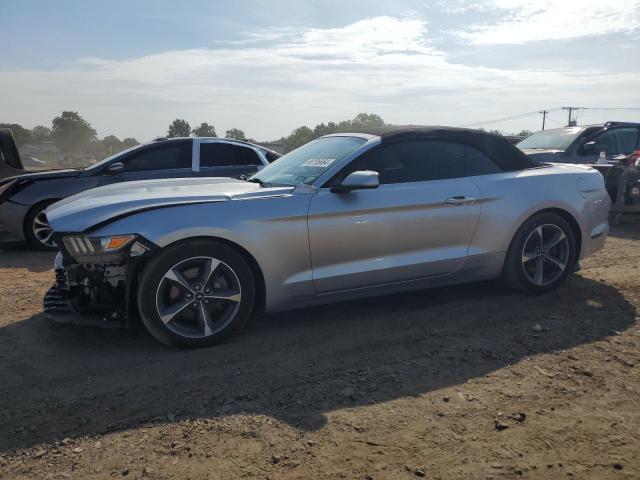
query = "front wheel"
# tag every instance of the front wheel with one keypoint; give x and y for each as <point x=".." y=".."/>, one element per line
<point x="196" y="294"/>
<point x="37" y="230"/>
<point x="542" y="254"/>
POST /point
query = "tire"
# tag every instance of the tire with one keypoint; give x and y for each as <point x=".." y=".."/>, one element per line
<point x="522" y="270"/>
<point x="223" y="304"/>
<point x="10" y="149"/>
<point x="35" y="224"/>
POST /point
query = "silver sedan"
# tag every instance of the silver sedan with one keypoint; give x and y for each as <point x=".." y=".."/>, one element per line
<point x="345" y="216"/>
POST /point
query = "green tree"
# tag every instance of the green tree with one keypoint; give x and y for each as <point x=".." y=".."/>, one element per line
<point x="495" y="132"/>
<point x="524" y="133"/>
<point x="40" y="134"/>
<point x="112" y="144"/>
<point x="21" y="134"/>
<point x="179" y="128"/>
<point x="235" y="134"/>
<point x="204" y="130"/>
<point x="129" y="142"/>
<point x="304" y="134"/>
<point x="367" y="120"/>
<point x="299" y="137"/>
<point x="71" y="132"/>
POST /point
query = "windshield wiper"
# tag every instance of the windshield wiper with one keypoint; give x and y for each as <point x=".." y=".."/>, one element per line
<point x="262" y="183"/>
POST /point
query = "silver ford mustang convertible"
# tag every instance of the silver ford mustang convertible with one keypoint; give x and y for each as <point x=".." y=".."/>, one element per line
<point x="344" y="216"/>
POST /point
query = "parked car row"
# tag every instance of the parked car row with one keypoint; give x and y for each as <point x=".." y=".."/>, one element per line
<point x="345" y="216"/>
<point x="24" y="198"/>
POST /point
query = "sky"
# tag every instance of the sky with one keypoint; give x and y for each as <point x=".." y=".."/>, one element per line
<point x="266" y="66"/>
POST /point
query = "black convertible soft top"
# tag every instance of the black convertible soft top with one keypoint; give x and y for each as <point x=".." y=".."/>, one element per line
<point x="506" y="155"/>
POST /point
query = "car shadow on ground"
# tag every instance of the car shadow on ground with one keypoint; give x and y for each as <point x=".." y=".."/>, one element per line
<point x="63" y="381"/>
<point x="628" y="228"/>
<point x="20" y="255"/>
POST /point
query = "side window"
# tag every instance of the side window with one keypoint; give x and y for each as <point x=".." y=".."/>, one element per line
<point x="160" y="157"/>
<point x="225" y="154"/>
<point x="416" y="161"/>
<point x="617" y="140"/>
<point x="422" y="161"/>
<point x="479" y="164"/>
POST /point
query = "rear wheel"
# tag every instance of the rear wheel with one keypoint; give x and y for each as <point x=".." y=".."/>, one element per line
<point x="196" y="294"/>
<point x="37" y="230"/>
<point x="542" y="254"/>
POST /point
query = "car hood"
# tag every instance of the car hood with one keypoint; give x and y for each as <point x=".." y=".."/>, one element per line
<point x="92" y="207"/>
<point x="49" y="175"/>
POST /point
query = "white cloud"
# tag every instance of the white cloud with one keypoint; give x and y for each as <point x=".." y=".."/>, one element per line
<point x="523" y="21"/>
<point x="292" y="77"/>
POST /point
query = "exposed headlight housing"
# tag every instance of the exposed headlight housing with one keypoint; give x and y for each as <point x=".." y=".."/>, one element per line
<point x="115" y="248"/>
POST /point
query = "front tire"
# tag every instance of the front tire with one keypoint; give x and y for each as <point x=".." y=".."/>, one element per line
<point x="541" y="255"/>
<point x="196" y="294"/>
<point x="37" y="230"/>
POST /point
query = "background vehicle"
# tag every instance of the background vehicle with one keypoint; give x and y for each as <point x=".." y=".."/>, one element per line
<point x="24" y="198"/>
<point x="344" y="216"/>
<point x="614" y="142"/>
<point x="10" y="163"/>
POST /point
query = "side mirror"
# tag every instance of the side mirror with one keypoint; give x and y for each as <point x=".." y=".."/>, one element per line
<point x="589" y="147"/>
<point x="116" y="167"/>
<point x="361" y="180"/>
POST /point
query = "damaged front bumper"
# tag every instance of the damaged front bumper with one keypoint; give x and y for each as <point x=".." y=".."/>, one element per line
<point x="96" y="290"/>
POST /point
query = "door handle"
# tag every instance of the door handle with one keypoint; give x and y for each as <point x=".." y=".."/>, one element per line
<point x="460" y="200"/>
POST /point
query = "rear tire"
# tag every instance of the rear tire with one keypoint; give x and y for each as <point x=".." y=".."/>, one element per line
<point x="37" y="230"/>
<point x="541" y="255"/>
<point x="196" y="294"/>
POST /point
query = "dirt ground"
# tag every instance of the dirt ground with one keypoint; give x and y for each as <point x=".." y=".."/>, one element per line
<point x="472" y="381"/>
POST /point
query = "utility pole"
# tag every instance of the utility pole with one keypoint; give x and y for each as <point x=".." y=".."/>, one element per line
<point x="544" y="117"/>
<point x="571" y="109"/>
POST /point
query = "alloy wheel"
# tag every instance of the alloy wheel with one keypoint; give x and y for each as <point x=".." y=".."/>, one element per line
<point x="198" y="297"/>
<point x="42" y="231"/>
<point x="545" y="254"/>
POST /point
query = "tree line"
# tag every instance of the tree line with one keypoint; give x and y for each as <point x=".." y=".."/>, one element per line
<point x="75" y="137"/>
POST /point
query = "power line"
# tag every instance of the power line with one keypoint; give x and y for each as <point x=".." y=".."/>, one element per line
<point x="545" y="113"/>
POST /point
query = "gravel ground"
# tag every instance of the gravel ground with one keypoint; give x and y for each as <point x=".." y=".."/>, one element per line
<point x="471" y="381"/>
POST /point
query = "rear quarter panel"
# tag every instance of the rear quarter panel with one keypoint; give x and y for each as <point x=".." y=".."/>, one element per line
<point x="510" y="198"/>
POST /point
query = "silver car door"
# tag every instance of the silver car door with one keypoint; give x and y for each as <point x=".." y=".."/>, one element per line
<point x="400" y="231"/>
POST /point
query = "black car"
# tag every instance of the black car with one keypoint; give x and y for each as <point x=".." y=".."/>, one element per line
<point x="24" y="198"/>
<point x="610" y="148"/>
<point x="582" y="144"/>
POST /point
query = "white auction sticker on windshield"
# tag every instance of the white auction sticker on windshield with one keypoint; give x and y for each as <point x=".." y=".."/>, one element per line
<point x="319" y="162"/>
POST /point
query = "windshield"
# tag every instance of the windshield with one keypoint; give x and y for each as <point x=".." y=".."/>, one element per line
<point x="101" y="163"/>
<point x="557" y="139"/>
<point x="305" y="164"/>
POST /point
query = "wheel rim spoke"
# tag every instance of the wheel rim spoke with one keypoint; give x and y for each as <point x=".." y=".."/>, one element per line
<point x="228" y="295"/>
<point x="555" y="240"/>
<point x="209" y="268"/>
<point x="540" y="236"/>
<point x="528" y="256"/>
<point x="556" y="262"/>
<point x="177" y="277"/>
<point x="539" y="272"/>
<point x="205" y="320"/>
<point x="169" y="313"/>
